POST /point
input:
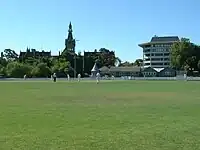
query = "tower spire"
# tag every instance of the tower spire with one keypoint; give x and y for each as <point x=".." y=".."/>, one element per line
<point x="70" y="41"/>
<point x="70" y="26"/>
<point x="70" y="36"/>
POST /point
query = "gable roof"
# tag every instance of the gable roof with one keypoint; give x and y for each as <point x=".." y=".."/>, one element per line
<point x="95" y="68"/>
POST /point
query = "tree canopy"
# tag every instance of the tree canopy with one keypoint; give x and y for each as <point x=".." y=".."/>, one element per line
<point x="185" y="55"/>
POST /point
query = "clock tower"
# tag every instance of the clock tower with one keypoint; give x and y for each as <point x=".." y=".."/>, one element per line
<point x="70" y="42"/>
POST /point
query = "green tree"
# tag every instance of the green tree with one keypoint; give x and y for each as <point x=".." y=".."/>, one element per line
<point x="138" y="62"/>
<point x="10" y="54"/>
<point x="2" y="70"/>
<point x="41" y="70"/>
<point x="32" y="61"/>
<point x="185" y="54"/>
<point x="198" y="65"/>
<point x="79" y="53"/>
<point x="3" y="61"/>
<point x="61" y="66"/>
<point x="126" y="64"/>
<point x="17" y="70"/>
<point x="105" y="57"/>
<point x="118" y="61"/>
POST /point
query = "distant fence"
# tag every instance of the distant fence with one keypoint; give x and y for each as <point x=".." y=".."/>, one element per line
<point x="168" y="78"/>
<point x="159" y="78"/>
<point x="103" y="78"/>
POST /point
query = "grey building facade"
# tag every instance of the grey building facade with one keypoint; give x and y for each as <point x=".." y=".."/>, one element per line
<point x="156" y="53"/>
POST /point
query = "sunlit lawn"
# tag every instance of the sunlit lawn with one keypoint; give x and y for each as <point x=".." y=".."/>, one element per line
<point x="137" y="115"/>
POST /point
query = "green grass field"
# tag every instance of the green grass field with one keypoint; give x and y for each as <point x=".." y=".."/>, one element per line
<point x="135" y="115"/>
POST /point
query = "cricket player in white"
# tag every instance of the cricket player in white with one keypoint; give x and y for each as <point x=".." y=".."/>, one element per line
<point x="25" y="77"/>
<point x="98" y="77"/>
<point x="54" y="77"/>
<point x="185" y="77"/>
<point x="68" y="77"/>
<point x="79" y="77"/>
<point x="113" y="77"/>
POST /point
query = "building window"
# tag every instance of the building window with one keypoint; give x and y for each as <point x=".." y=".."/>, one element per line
<point x="160" y="54"/>
<point x="147" y="55"/>
<point x="155" y="64"/>
<point x="156" y="59"/>
<point x="166" y="59"/>
<point x="147" y="59"/>
<point x="166" y="63"/>
<point x="166" y="54"/>
<point x="146" y="50"/>
<point x="167" y="73"/>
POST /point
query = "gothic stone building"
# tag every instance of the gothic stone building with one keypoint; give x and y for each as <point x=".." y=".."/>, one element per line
<point x="33" y="53"/>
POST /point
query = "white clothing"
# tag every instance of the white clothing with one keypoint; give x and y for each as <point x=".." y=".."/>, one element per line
<point x="79" y="77"/>
<point x="54" y="75"/>
<point x="68" y="77"/>
<point x="185" y="77"/>
<point x="98" y="77"/>
<point x="113" y="77"/>
<point x="25" y="77"/>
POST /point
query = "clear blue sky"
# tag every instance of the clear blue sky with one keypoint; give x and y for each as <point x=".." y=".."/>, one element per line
<point x="118" y="25"/>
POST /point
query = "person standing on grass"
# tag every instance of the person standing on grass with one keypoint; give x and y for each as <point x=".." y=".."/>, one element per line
<point x="185" y="77"/>
<point x="79" y="77"/>
<point x="98" y="77"/>
<point x="113" y="77"/>
<point x="54" y="77"/>
<point x="25" y="77"/>
<point x="68" y="77"/>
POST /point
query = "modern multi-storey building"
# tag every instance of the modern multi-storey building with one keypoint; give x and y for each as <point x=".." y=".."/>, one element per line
<point x="156" y="53"/>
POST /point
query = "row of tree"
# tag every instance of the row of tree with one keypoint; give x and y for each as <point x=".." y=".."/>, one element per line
<point x="12" y="65"/>
<point x="33" y="67"/>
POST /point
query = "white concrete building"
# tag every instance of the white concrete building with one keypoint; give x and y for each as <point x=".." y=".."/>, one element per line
<point x="156" y="53"/>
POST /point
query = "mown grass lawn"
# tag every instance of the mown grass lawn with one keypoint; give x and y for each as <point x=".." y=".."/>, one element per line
<point x="137" y="115"/>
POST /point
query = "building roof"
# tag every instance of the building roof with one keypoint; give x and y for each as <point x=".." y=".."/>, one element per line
<point x="161" y="40"/>
<point x="158" y="69"/>
<point x="34" y="53"/>
<point x="95" y="68"/>
<point x="148" y="69"/>
<point x="168" y="69"/>
<point x="104" y="69"/>
<point x="165" y="39"/>
<point x="125" y="69"/>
